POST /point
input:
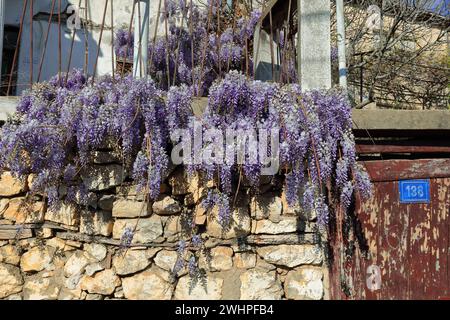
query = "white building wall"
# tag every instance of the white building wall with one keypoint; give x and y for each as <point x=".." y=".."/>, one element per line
<point x="122" y="10"/>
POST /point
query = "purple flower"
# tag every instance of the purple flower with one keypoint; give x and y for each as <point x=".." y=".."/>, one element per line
<point x="197" y="241"/>
<point x="363" y="183"/>
<point x="193" y="266"/>
<point x="346" y="194"/>
<point x="127" y="237"/>
<point x="334" y="54"/>
<point x="181" y="247"/>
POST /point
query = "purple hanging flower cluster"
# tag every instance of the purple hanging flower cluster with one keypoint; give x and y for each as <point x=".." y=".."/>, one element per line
<point x="317" y="138"/>
<point x="59" y="125"/>
<point x="316" y="141"/>
<point x="124" y="44"/>
<point x="57" y="128"/>
<point x="127" y="237"/>
<point x="194" y="55"/>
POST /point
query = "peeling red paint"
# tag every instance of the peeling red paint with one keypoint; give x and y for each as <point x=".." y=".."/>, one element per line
<point x="409" y="242"/>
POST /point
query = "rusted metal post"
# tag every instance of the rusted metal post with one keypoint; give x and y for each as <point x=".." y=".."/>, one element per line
<point x="16" y="52"/>
<point x="31" y="42"/>
<point x="2" y="12"/>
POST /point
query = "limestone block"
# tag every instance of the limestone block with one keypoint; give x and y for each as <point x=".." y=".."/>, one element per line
<point x="291" y="255"/>
<point x="240" y="224"/>
<point x="305" y="283"/>
<point x="123" y="208"/>
<point x="147" y="229"/>
<point x="66" y="214"/>
<point x="146" y="286"/>
<point x="96" y="223"/>
<point x="104" y="282"/>
<point x="166" y="207"/>
<point x="76" y="264"/>
<point x="101" y="178"/>
<point x="40" y="288"/>
<point x="11" y="280"/>
<point x="22" y="212"/>
<point x="245" y="260"/>
<point x="267" y="206"/>
<point x="166" y="260"/>
<point x="131" y="261"/>
<point x="213" y="290"/>
<point x="10" y="254"/>
<point x="37" y="259"/>
<point x="10" y="186"/>
<point x="260" y="285"/>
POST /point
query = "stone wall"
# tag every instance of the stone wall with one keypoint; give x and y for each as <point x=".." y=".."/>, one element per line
<point x="270" y="252"/>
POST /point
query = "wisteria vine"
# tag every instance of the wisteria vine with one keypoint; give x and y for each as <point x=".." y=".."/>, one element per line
<point x="61" y="124"/>
<point x="196" y="50"/>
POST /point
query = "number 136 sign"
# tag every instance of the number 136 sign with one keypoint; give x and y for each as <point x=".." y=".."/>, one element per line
<point x="414" y="191"/>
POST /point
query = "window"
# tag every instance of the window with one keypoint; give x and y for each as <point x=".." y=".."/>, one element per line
<point x="11" y="34"/>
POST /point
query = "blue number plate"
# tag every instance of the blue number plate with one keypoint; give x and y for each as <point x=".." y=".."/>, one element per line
<point x="414" y="191"/>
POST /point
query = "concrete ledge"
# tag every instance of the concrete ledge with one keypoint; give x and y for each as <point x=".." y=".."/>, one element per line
<point x="7" y="107"/>
<point x="379" y="119"/>
<point x="401" y="120"/>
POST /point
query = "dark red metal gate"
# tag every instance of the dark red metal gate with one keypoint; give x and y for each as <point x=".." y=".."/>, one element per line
<point x="409" y="243"/>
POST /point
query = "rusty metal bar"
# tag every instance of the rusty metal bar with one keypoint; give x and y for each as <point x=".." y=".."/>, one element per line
<point x="286" y="38"/>
<point x="232" y="32"/>
<point x="167" y="43"/>
<point x="129" y="36"/>
<point x="218" y="36"/>
<point x="16" y="52"/>
<point x="191" y="33"/>
<point x="31" y="42"/>
<point x="272" y="56"/>
<point x="158" y="13"/>
<point x="370" y="149"/>
<point x="113" y="63"/>
<point x="394" y="170"/>
<point x="2" y="28"/>
<point x="86" y="40"/>
<point x="46" y="40"/>
<point x="71" y="49"/>
<point x="59" y="42"/>
<point x="100" y="41"/>
<point x="177" y="54"/>
<point x="200" y="77"/>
